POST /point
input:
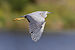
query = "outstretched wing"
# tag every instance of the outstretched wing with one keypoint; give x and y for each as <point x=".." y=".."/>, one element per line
<point x="36" y="30"/>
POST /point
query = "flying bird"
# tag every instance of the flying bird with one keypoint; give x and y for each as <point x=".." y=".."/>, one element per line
<point x="36" y="23"/>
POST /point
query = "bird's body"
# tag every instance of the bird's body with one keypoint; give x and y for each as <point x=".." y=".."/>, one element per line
<point x="36" y="23"/>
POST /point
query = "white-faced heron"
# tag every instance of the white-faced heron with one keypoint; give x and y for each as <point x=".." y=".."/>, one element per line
<point x="36" y="23"/>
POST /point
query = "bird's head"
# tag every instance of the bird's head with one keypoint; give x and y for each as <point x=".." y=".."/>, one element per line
<point x="21" y="18"/>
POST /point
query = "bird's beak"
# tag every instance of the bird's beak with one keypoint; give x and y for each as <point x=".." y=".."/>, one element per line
<point x="22" y="18"/>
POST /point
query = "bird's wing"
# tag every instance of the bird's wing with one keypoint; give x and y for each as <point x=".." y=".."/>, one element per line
<point x="36" y="30"/>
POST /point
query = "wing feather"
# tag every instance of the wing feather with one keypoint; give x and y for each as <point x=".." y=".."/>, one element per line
<point x="36" y="30"/>
<point x="36" y="27"/>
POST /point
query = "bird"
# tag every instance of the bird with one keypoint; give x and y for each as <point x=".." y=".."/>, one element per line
<point x="36" y="23"/>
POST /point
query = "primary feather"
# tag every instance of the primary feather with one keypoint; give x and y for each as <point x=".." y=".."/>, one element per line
<point x="36" y="30"/>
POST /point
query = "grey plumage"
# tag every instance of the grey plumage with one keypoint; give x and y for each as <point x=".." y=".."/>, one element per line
<point x="36" y="23"/>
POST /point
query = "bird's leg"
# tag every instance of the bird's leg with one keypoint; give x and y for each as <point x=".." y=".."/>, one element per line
<point x="19" y="19"/>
